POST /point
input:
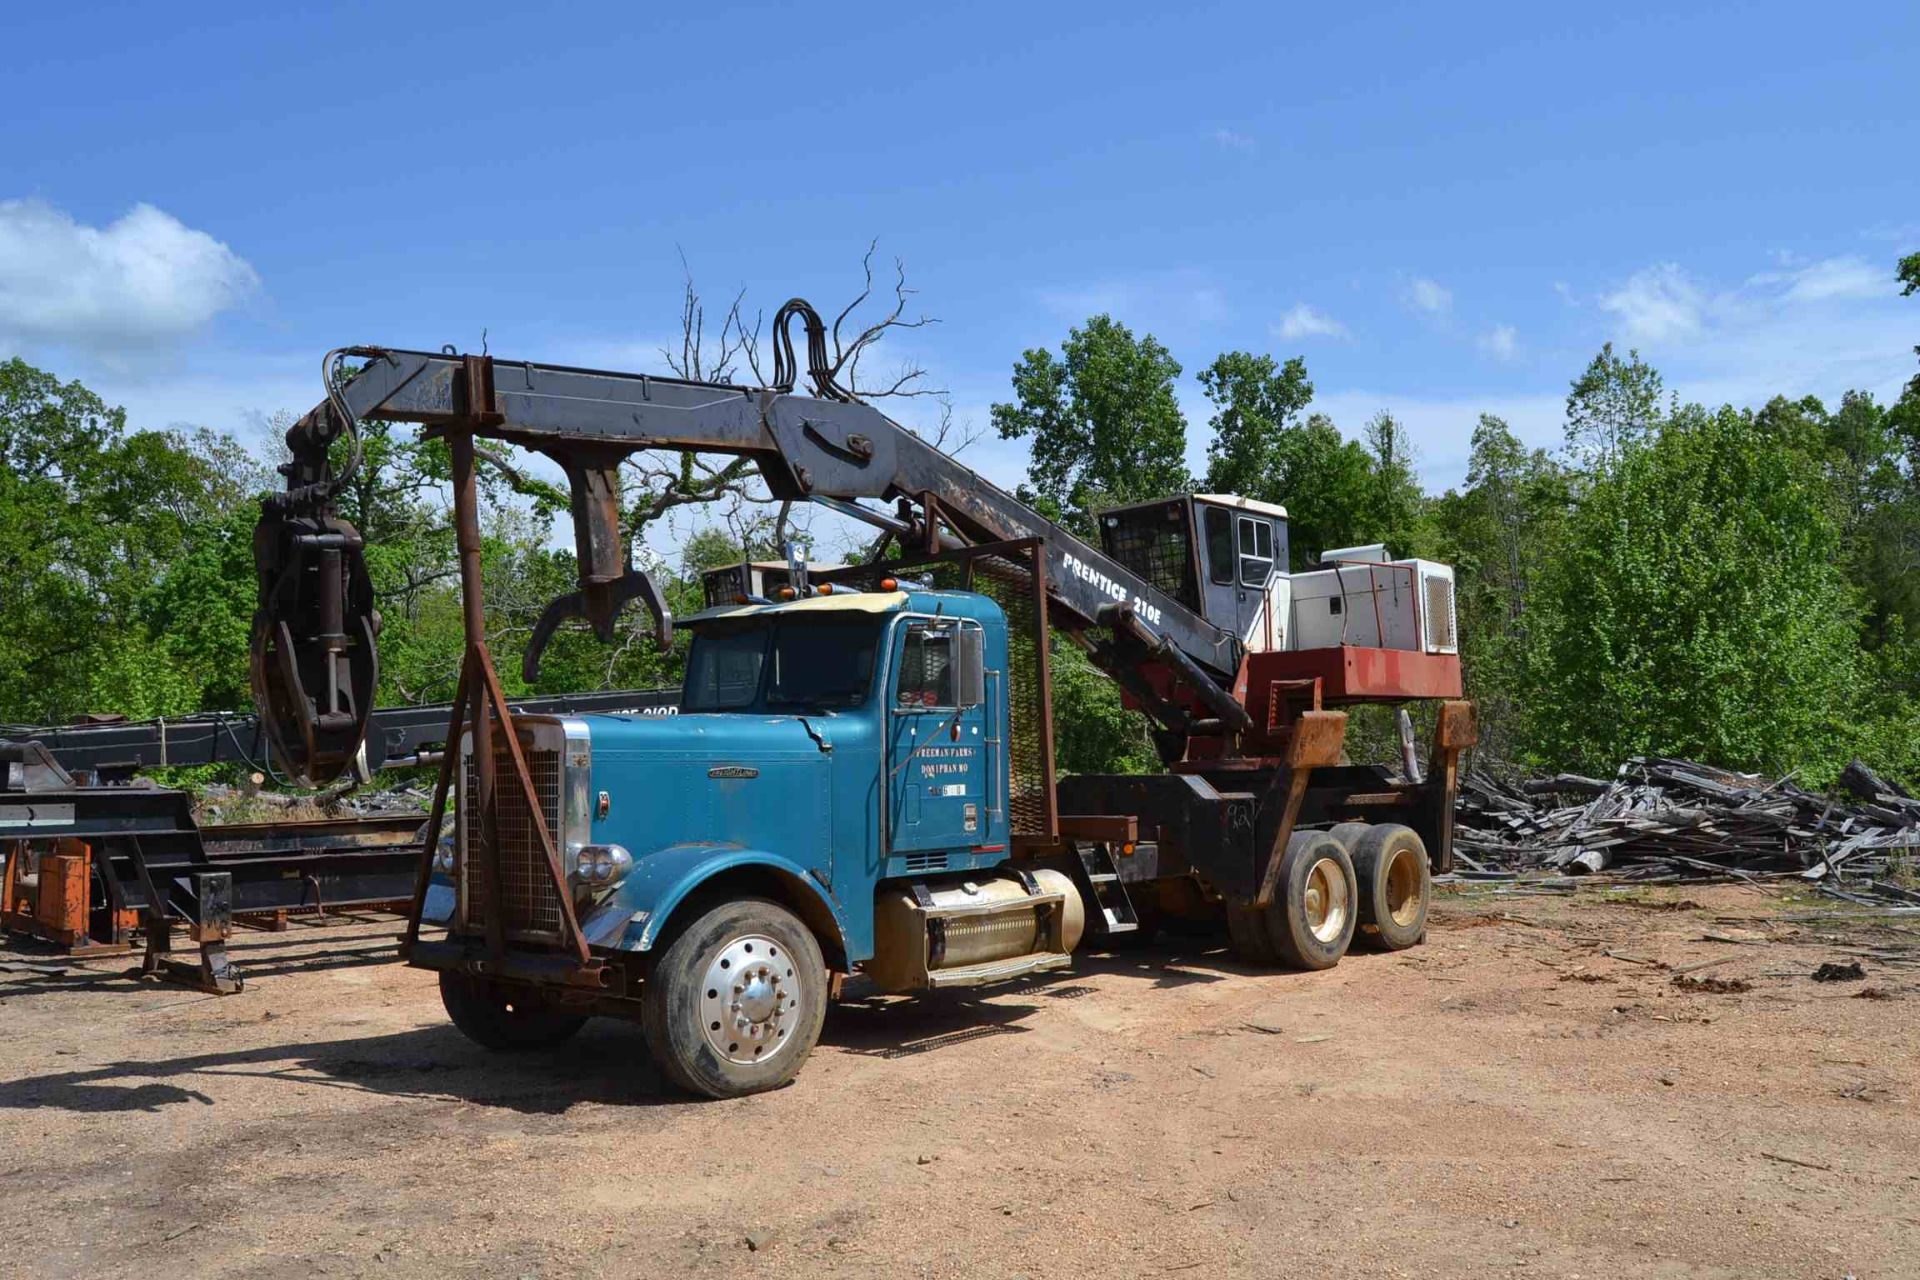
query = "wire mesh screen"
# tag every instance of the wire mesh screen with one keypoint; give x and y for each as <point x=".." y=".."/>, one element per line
<point x="1440" y="613"/>
<point x="1009" y="583"/>
<point x="724" y="585"/>
<point x="1156" y="543"/>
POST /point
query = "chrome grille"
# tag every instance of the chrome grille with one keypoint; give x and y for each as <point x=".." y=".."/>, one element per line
<point x="528" y="901"/>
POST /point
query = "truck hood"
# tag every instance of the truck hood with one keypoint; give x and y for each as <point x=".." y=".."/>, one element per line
<point x="708" y="736"/>
<point x="758" y="781"/>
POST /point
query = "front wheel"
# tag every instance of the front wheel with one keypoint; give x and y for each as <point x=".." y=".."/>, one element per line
<point x="495" y="1016"/>
<point x="735" y="1002"/>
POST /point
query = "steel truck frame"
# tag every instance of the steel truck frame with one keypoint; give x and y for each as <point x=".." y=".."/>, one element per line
<point x="1255" y="818"/>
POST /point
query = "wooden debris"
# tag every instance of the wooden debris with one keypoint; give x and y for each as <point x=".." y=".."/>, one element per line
<point x="1665" y="820"/>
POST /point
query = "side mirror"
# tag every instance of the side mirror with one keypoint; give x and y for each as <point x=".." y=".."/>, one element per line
<point x="970" y="678"/>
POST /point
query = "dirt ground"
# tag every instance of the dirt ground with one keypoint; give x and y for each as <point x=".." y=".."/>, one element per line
<point x="1529" y="1093"/>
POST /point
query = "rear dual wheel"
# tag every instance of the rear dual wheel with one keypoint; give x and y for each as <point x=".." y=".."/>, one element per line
<point x="1390" y="863"/>
<point x="1311" y="921"/>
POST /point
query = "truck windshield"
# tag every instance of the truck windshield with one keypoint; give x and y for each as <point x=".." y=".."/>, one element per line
<point x="794" y="662"/>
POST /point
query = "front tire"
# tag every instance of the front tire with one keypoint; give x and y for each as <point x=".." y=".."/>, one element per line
<point x="495" y="1016"/>
<point x="735" y="1002"/>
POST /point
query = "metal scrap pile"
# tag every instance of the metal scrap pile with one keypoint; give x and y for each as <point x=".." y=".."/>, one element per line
<point x="1674" y="820"/>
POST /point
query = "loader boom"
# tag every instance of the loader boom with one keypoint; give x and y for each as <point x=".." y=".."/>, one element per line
<point x="313" y="667"/>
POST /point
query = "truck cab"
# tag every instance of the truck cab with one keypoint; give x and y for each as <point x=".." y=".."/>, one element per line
<point x="835" y="780"/>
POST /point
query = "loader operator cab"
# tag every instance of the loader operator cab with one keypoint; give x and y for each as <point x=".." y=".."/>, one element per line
<point x="1224" y="557"/>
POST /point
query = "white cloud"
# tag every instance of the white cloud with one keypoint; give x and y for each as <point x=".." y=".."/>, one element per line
<point x="1819" y="328"/>
<point x="1892" y="231"/>
<point x="1666" y="307"/>
<point x="1305" y="322"/>
<point x="1429" y="296"/>
<point x="1656" y="305"/>
<point x="1230" y="140"/>
<point x="1501" y="342"/>
<point x="142" y="281"/>
<point x="1830" y="278"/>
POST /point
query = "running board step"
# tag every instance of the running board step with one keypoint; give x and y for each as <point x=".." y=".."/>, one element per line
<point x="977" y="975"/>
<point x="1102" y="878"/>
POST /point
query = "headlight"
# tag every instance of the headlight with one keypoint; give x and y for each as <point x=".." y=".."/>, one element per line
<point x="602" y="864"/>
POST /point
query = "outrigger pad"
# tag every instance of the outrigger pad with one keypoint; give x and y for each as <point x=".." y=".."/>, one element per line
<point x="314" y="660"/>
<point x="600" y="604"/>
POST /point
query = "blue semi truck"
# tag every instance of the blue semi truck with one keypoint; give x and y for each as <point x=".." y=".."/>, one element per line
<point x="860" y="779"/>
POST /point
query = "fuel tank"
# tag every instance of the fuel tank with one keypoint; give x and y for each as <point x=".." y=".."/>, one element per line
<point x="987" y="928"/>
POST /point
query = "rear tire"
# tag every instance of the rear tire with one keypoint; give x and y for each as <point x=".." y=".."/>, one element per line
<point x="496" y="1016"/>
<point x="1247" y="936"/>
<point x="1348" y="834"/>
<point x="1312" y="920"/>
<point x="1395" y="886"/>
<point x="735" y="1002"/>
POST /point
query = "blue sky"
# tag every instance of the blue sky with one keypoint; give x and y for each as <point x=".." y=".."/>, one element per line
<point x="1444" y="208"/>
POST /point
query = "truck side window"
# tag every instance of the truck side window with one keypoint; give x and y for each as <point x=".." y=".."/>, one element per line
<point x="1256" y="551"/>
<point x="1219" y="546"/>
<point x="926" y="668"/>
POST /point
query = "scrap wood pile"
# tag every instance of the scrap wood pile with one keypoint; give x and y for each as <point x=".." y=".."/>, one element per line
<point x="1669" y="819"/>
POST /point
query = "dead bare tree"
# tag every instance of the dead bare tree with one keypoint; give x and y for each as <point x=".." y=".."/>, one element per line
<point x="848" y="351"/>
<point x="700" y="360"/>
<point x="663" y="484"/>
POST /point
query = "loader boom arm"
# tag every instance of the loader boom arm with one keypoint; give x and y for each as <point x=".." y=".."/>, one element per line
<point x="805" y="448"/>
<point x="314" y="660"/>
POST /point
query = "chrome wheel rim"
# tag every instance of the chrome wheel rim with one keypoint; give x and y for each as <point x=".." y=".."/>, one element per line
<point x="749" y="999"/>
<point x="1327" y="902"/>
<point x="1403" y="887"/>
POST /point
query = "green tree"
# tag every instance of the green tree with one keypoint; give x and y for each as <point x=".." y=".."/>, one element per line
<point x="1395" y="509"/>
<point x="1105" y="426"/>
<point x="1696" y="607"/>
<point x="1262" y="448"/>
<point x="1613" y="404"/>
<point x="1498" y="533"/>
<point x="1256" y="403"/>
<point x="1326" y="483"/>
<point x="99" y="528"/>
<point x="1093" y="732"/>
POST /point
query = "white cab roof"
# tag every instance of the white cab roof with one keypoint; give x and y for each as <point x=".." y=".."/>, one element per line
<point x="1245" y="504"/>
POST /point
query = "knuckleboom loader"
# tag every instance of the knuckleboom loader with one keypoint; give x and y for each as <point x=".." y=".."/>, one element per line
<point x="861" y="777"/>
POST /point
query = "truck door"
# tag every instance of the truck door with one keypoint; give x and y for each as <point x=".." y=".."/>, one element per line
<point x="937" y="755"/>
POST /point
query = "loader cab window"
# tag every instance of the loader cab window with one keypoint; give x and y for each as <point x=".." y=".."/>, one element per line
<point x="1155" y="541"/>
<point x="1256" y="551"/>
<point x="1219" y="545"/>
<point x="926" y="668"/>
